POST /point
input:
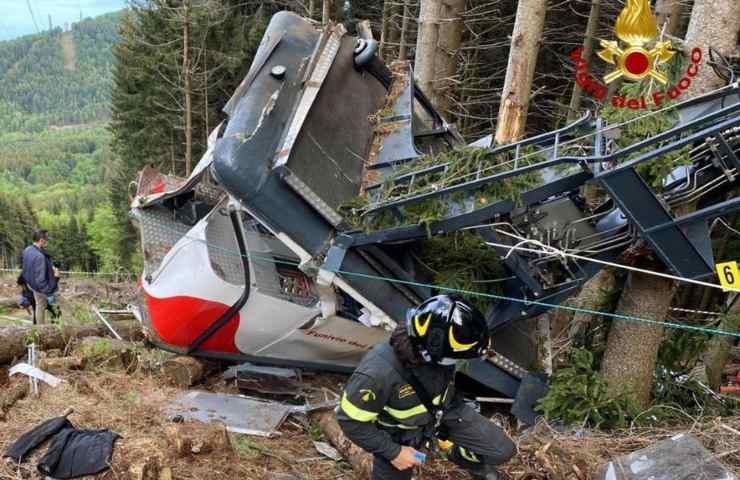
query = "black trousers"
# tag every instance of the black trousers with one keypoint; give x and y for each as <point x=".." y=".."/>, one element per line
<point x="479" y="444"/>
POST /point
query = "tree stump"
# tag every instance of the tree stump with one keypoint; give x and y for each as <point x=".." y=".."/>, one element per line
<point x="198" y="438"/>
<point x="183" y="371"/>
<point x="17" y="390"/>
<point x="107" y="352"/>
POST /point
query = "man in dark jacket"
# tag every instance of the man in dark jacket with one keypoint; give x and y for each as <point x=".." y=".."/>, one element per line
<point x="382" y="411"/>
<point x="38" y="273"/>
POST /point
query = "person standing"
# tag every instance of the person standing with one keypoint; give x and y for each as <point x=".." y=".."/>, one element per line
<point x="39" y="274"/>
<point x="401" y="397"/>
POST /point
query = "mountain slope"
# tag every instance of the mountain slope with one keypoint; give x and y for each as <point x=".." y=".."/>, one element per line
<point x="56" y="77"/>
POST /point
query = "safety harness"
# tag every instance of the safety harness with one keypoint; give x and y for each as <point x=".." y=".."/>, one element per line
<point x="431" y="431"/>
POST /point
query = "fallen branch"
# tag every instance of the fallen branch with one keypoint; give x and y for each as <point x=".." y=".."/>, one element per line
<point x="361" y="461"/>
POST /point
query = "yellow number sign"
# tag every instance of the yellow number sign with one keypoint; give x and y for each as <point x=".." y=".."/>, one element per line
<point x="728" y="274"/>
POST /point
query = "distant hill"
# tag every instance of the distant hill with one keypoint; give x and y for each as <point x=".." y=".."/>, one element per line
<point x="58" y="78"/>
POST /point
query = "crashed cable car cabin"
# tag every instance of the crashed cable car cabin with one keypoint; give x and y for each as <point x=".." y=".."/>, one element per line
<point x="250" y="259"/>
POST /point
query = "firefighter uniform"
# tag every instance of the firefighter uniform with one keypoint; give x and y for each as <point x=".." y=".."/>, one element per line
<point x="380" y="411"/>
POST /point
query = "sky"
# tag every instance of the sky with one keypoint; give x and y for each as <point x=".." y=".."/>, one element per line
<point x="16" y="20"/>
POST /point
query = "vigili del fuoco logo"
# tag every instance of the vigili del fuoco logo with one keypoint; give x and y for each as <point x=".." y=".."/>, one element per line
<point x="635" y="56"/>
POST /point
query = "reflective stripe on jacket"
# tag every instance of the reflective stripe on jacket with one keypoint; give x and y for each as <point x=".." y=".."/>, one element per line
<point x="377" y="399"/>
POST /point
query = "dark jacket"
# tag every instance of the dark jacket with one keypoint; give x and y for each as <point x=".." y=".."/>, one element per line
<point x="377" y="402"/>
<point x="38" y="270"/>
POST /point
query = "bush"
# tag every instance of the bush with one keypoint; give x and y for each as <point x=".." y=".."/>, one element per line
<point x="579" y="395"/>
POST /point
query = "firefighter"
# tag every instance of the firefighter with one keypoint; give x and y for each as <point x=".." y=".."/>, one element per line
<point x="401" y="397"/>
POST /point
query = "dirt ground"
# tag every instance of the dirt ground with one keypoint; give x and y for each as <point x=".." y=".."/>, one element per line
<point x="130" y="402"/>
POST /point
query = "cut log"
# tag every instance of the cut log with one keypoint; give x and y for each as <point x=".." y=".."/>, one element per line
<point x="198" y="438"/>
<point x="8" y="302"/>
<point x="14" y="340"/>
<point x="361" y="461"/>
<point x="62" y="363"/>
<point x="183" y="371"/>
<point x="107" y="352"/>
<point x="17" y="390"/>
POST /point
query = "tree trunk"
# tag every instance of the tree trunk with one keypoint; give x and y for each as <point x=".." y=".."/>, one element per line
<point x="525" y="45"/>
<point x="361" y="461"/>
<point x="385" y="24"/>
<point x="402" y="41"/>
<point x="668" y="13"/>
<point x="588" y="49"/>
<point x="14" y="340"/>
<point x="326" y="12"/>
<point x="311" y="8"/>
<point x="187" y="93"/>
<point x="593" y="296"/>
<point x="8" y="303"/>
<point x="632" y="347"/>
<point x="364" y="30"/>
<point x="718" y="352"/>
<point x="437" y="46"/>
<point x="713" y="23"/>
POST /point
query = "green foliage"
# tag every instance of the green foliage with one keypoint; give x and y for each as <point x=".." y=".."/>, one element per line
<point x="245" y="446"/>
<point x="33" y="336"/>
<point x="674" y="389"/>
<point x="95" y="350"/>
<point x="461" y="260"/>
<point x="640" y="129"/>
<point x="103" y="238"/>
<point x="462" y="165"/>
<point x="147" y="124"/>
<point x="578" y="395"/>
<point x="54" y="173"/>
<point x="17" y="222"/>
<point x="314" y="432"/>
<point x="57" y="78"/>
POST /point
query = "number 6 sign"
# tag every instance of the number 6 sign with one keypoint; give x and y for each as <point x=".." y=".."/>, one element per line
<point x="728" y="274"/>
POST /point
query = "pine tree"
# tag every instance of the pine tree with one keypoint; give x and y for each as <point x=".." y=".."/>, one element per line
<point x="149" y="123"/>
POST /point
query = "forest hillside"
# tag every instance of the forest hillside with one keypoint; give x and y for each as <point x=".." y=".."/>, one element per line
<point x="53" y="140"/>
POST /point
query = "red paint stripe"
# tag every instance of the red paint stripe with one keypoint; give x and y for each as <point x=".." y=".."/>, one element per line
<point x="179" y="320"/>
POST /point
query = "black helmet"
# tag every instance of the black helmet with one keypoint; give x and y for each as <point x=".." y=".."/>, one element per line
<point x="444" y="329"/>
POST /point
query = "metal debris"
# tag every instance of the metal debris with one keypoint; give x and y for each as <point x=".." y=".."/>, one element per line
<point x="240" y="414"/>
<point x="36" y="373"/>
<point x="251" y="369"/>
<point x="106" y="323"/>
<point x="328" y="451"/>
<point x="269" y="385"/>
<point x="681" y="457"/>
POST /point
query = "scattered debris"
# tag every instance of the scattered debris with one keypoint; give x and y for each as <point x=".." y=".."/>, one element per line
<point x="106" y="323"/>
<point x="62" y="363"/>
<point x="36" y="373"/>
<point x="239" y="413"/>
<point x="250" y="369"/>
<point x="269" y="385"/>
<point x="328" y="451"/>
<point x="681" y="457"/>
